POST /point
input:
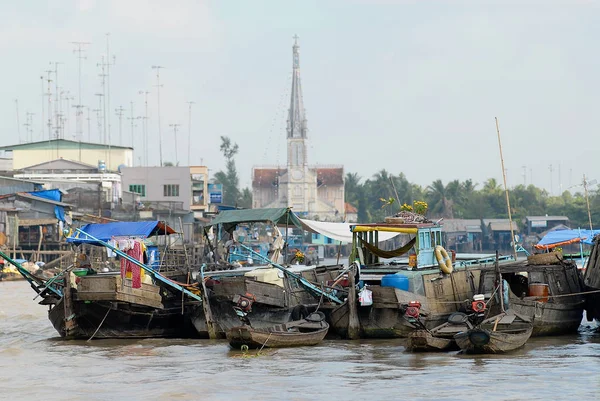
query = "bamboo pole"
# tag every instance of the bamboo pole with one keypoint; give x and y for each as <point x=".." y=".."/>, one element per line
<point x="512" y="234"/>
<point x="587" y="201"/>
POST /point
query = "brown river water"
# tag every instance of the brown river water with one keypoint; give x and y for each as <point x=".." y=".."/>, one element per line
<point x="35" y="364"/>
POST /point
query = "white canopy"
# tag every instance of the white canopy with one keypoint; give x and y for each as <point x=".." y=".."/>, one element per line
<point x="338" y="231"/>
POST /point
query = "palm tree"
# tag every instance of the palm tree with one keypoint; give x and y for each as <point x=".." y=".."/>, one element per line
<point x="439" y="200"/>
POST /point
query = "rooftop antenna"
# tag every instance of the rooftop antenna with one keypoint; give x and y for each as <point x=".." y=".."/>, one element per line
<point x="145" y="127"/>
<point x="49" y="94"/>
<point x="119" y="113"/>
<point x="512" y="234"/>
<point x="107" y="92"/>
<point x="132" y="119"/>
<point x="190" y="103"/>
<point x="175" y="126"/>
<point x="57" y="105"/>
<point x="79" y="50"/>
<point x="89" y="124"/>
<point x="18" y="123"/>
<point x="43" y="118"/>
<point x="157" y="68"/>
<point x="98" y="112"/>
<point x="29" y="126"/>
<point x="106" y="133"/>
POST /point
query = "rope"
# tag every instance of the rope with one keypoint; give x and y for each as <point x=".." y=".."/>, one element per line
<point x="261" y="348"/>
<point x="100" y="325"/>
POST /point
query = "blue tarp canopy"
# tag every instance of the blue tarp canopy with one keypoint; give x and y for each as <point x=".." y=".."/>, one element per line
<point x="52" y="194"/>
<point x="566" y="237"/>
<point x="105" y="232"/>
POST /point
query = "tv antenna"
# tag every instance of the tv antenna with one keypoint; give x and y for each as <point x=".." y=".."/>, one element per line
<point x="79" y="50"/>
<point x="158" y="85"/>
<point x="119" y="113"/>
<point x="145" y="127"/>
<point x="175" y="126"/>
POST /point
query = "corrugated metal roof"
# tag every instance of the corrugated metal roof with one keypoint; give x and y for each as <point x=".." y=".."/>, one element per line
<point x="547" y="218"/>
<point x="502" y="226"/>
<point x="461" y="225"/>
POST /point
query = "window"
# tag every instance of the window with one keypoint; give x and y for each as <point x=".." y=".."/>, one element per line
<point x="138" y="189"/>
<point x="171" y="190"/>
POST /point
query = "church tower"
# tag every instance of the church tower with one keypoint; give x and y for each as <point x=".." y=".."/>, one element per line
<point x="299" y="191"/>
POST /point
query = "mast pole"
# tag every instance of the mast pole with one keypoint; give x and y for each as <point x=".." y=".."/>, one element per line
<point x="512" y="234"/>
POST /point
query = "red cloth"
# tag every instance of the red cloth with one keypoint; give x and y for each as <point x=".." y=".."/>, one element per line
<point x="127" y="266"/>
<point x="136" y="271"/>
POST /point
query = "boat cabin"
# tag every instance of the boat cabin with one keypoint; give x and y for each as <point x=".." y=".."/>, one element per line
<point x="420" y="249"/>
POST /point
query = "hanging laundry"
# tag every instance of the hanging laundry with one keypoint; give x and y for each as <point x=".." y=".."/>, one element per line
<point x="109" y="252"/>
<point x="136" y="274"/>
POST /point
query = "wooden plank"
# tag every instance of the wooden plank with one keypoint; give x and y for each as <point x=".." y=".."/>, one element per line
<point x="36" y="222"/>
<point x="140" y="293"/>
<point x="383" y="297"/>
<point x="114" y="296"/>
<point x="268" y="294"/>
<point x="145" y="286"/>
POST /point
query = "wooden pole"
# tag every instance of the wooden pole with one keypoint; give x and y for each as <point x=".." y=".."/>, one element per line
<point x="500" y="283"/>
<point x="587" y="201"/>
<point x="512" y="234"/>
<point x="210" y="323"/>
<point x="353" y="322"/>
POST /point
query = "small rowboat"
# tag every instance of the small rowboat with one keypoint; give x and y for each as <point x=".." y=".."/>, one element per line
<point x="440" y="338"/>
<point x="498" y="334"/>
<point x="308" y="331"/>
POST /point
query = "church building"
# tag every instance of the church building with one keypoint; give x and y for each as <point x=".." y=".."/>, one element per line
<point x="314" y="192"/>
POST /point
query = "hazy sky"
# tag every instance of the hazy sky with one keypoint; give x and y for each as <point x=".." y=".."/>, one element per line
<point x="407" y="86"/>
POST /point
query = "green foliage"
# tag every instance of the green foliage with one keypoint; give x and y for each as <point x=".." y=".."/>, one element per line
<point x="377" y="197"/>
<point x="229" y="178"/>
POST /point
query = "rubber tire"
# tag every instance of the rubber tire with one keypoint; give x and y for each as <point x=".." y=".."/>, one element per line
<point x="299" y="312"/>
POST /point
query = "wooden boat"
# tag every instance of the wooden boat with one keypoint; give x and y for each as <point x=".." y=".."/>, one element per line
<point x="424" y="341"/>
<point x="440" y="338"/>
<point x="309" y="331"/>
<point x="550" y="295"/>
<point x="499" y="334"/>
<point x="269" y="292"/>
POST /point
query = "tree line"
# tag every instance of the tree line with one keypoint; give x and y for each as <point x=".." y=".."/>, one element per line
<point x="383" y="194"/>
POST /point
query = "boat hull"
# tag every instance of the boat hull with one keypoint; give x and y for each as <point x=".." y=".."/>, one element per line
<point x="424" y="341"/>
<point x="102" y="320"/>
<point x="276" y="337"/>
<point x="487" y="341"/>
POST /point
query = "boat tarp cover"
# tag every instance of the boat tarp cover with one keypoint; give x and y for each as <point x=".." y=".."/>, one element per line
<point x="338" y="231"/>
<point x="279" y="216"/>
<point x="105" y="232"/>
<point x="566" y="237"/>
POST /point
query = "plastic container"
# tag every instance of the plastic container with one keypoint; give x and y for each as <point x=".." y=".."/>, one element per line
<point x="539" y="290"/>
<point x="395" y="280"/>
<point x="153" y="256"/>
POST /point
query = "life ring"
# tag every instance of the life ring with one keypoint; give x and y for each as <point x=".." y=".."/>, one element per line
<point x="443" y="259"/>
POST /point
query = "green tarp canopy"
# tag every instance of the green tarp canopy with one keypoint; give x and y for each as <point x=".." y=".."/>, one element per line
<point x="279" y="216"/>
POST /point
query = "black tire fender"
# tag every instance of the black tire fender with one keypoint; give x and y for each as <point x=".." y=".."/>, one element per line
<point x="299" y="312"/>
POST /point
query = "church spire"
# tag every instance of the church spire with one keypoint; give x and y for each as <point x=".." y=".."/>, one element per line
<point x="297" y="118"/>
